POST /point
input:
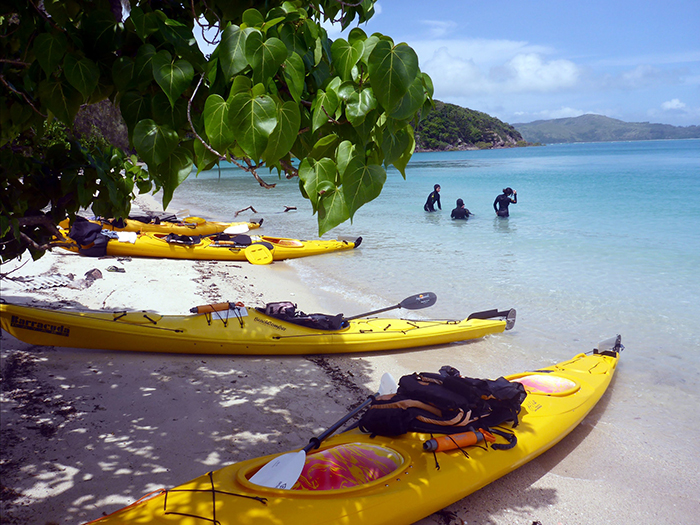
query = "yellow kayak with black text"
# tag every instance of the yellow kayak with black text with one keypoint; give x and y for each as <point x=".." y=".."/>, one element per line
<point x="356" y="479"/>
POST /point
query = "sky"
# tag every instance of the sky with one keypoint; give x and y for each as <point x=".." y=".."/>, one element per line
<point x="636" y="61"/>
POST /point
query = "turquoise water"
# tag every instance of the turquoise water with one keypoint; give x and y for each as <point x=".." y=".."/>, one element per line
<point x="604" y="239"/>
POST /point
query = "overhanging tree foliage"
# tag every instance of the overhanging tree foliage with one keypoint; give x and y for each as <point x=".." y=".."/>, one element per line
<point x="275" y="93"/>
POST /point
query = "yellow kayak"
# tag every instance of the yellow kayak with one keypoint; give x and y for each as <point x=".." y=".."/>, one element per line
<point x="257" y="249"/>
<point x="186" y="226"/>
<point x="355" y="479"/>
<point x="226" y="328"/>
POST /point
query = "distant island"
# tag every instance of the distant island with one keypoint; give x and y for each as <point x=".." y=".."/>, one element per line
<point x="448" y="127"/>
<point x="598" y="128"/>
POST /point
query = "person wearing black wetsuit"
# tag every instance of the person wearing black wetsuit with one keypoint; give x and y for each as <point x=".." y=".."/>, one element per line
<point x="433" y="199"/>
<point x="504" y="200"/>
<point x="460" y="212"/>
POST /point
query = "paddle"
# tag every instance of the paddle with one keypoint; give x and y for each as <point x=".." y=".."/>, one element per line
<point x="258" y="254"/>
<point x="237" y="228"/>
<point x="284" y="471"/>
<point x="490" y="314"/>
<point x="415" y="302"/>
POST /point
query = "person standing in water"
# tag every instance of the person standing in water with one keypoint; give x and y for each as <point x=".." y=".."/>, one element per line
<point x="460" y="212"/>
<point x="433" y="199"/>
<point x="504" y="200"/>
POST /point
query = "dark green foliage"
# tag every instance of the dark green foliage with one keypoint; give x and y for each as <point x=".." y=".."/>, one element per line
<point x="450" y="127"/>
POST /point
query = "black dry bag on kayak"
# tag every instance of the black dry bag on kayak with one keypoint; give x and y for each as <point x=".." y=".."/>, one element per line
<point x="88" y="236"/>
<point x="444" y="403"/>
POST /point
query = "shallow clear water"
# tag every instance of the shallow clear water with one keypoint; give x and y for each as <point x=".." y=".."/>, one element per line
<point x="604" y="239"/>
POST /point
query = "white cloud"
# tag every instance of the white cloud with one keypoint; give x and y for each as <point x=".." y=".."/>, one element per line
<point x="529" y="72"/>
<point x="439" y="28"/>
<point x="672" y="105"/>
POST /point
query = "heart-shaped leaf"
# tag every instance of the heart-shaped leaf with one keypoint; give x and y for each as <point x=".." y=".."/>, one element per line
<point x="143" y="65"/>
<point x="264" y="56"/>
<point x="154" y="143"/>
<point x="285" y="133"/>
<point x="396" y="145"/>
<point x="216" y="123"/>
<point x="82" y="73"/>
<point x="122" y="73"/>
<point x="324" y="107"/>
<point x="315" y="175"/>
<point x="134" y="107"/>
<point x="61" y="99"/>
<point x="294" y="74"/>
<point x="232" y="50"/>
<point x="359" y="105"/>
<point x="332" y="211"/>
<point x="345" y="56"/>
<point x="392" y="70"/>
<point x="362" y="183"/>
<point x="49" y="50"/>
<point x="411" y="101"/>
<point x="174" y="77"/>
<point x="173" y="172"/>
<point x="252" y="119"/>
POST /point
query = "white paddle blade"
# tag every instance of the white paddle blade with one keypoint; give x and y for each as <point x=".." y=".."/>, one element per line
<point x="387" y="385"/>
<point x="237" y="228"/>
<point x="282" y="472"/>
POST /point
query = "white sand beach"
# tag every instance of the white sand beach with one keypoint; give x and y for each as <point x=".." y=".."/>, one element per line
<point x="85" y="432"/>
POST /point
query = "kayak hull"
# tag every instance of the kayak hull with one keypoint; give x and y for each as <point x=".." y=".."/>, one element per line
<point x="157" y="245"/>
<point x="413" y="489"/>
<point x="240" y="331"/>
<point x="187" y="226"/>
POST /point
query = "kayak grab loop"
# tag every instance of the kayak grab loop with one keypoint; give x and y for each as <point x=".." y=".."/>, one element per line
<point x="213" y="491"/>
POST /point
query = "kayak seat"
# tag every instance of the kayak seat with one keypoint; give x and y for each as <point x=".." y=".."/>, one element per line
<point x="187" y="240"/>
<point x="346" y="466"/>
<point x="547" y="384"/>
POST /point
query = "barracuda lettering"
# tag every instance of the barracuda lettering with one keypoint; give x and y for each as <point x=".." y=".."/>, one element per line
<point x="269" y="323"/>
<point x="36" y="326"/>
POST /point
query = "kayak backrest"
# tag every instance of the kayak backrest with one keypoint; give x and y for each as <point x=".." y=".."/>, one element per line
<point x="346" y="466"/>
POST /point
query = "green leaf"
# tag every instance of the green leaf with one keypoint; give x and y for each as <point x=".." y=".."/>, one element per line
<point x="324" y="107"/>
<point x="204" y="158"/>
<point x="144" y="24"/>
<point x="61" y="99"/>
<point x="173" y="77"/>
<point x="345" y="57"/>
<point x="345" y="153"/>
<point x="264" y="56"/>
<point x="294" y="74"/>
<point x="359" y="105"/>
<point x="232" y="50"/>
<point x="285" y="133"/>
<point x="315" y="175"/>
<point x="252" y="120"/>
<point x="165" y="114"/>
<point x="171" y="173"/>
<point x="395" y="146"/>
<point x="216" y="123"/>
<point x="253" y="18"/>
<point x="324" y="147"/>
<point x="49" y="50"/>
<point x="82" y="73"/>
<point x="134" y="107"/>
<point x="122" y="72"/>
<point x="143" y="67"/>
<point x="411" y="102"/>
<point x="392" y="70"/>
<point x="362" y="183"/>
<point x="154" y="143"/>
<point x="332" y="211"/>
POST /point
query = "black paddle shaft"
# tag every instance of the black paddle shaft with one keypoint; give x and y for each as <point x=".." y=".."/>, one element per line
<point x="315" y="442"/>
<point x="415" y="302"/>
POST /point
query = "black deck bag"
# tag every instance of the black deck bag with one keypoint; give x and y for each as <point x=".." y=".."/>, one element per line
<point x="88" y="236"/>
<point x="286" y="311"/>
<point x="187" y="240"/>
<point x="444" y="404"/>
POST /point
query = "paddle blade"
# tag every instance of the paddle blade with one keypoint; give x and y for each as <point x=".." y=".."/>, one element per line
<point x="510" y="319"/>
<point x="421" y="300"/>
<point x="237" y="228"/>
<point x="387" y="385"/>
<point x="258" y="254"/>
<point x="282" y="472"/>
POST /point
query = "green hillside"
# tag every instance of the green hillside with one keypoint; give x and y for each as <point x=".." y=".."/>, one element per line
<point x="597" y="128"/>
<point x="449" y="127"/>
